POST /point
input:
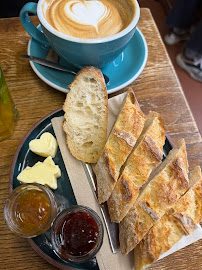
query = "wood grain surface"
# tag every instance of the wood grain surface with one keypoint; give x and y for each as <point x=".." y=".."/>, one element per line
<point x="157" y="88"/>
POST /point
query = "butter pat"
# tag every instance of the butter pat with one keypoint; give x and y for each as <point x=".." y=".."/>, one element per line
<point x="45" y="146"/>
<point x="44" y="173"/>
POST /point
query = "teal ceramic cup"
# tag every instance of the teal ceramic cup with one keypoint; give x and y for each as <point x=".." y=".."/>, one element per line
<point x="78" y="51"/>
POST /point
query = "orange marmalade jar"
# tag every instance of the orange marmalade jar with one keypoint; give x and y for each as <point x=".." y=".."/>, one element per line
<point x="30" y="210"/>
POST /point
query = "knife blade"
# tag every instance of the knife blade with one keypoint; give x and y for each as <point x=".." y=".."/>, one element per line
<point x="47" y="63"/>
<point x="111" y="227"/>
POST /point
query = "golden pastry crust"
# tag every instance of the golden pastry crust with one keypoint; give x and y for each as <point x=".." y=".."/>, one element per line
<point x="178" y="221"/>
<point x="146" y="155"/>
<point x="159" y="239"/>
<point x="120" y="143"/>
<point x="168" y="183"/>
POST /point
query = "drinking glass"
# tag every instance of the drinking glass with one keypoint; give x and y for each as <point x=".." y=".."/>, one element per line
<point x="8" y="111"/>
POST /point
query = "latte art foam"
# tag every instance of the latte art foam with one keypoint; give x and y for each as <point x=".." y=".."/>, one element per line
<point x="87" y="19"/>
<point x="89" y="13"/>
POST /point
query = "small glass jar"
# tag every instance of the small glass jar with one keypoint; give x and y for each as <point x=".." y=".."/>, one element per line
<point x="77" y="234"/>
<point x="30" y="209"/>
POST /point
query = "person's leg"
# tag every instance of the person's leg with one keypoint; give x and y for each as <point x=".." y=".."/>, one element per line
<point x="180" y="20"/>
<point x="194" y="45"/>
<point x="181" y="15"/>
<point x="191" y="58"/>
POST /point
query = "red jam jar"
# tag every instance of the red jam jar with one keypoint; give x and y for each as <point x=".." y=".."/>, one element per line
<point x="30" y="209"/>
<point x="77" y="234"/>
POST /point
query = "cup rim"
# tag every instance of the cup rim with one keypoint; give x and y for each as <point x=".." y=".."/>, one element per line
<point x="55" y="32"/>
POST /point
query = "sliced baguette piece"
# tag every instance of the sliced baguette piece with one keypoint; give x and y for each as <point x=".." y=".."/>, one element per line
<point x="180" y="220"/>
<point x="86" y="114"/>
<point x="120" y="143"/>
<point x="169" y="181"/>
<point x="147" y="154"/>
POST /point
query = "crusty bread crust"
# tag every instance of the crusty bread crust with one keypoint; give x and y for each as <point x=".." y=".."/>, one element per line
<point x="120" y="143"/>
<point x="168" y="184"/>
<point x="86" y="115"/>
<point x="146" y="155"/>
<point x="94" y="71"/>
<point x="180" y="220"/>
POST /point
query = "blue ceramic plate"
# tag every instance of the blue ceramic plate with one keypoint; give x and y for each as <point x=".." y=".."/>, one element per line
<point x="64" y="193"/>
<point x="122" y="71"/>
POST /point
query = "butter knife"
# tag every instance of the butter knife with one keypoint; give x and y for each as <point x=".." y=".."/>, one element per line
<point x="47" y="63"/>
<point x="111" y="227"/>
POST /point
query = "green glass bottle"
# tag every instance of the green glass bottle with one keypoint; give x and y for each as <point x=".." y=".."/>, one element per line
<point x="8" y="111"/>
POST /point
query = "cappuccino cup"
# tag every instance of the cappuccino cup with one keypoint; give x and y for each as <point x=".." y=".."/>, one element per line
<point x="83" y="32"/>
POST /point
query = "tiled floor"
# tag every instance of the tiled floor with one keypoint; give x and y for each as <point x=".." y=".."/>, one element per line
<point x="192" y="89"/>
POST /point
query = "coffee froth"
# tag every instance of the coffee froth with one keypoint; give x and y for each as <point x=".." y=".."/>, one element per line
<point x="89" y="19"/>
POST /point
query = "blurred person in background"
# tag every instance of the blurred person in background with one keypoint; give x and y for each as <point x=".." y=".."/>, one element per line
<point x="11" y="8"/>
<point x="180" y="21"/>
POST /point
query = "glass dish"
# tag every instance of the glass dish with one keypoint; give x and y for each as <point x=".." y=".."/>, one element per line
<point x="77" y="234"/>
<point x="30" y="209"/>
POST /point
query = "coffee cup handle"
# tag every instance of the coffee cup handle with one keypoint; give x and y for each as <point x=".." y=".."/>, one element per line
<point x="29" y="26"/>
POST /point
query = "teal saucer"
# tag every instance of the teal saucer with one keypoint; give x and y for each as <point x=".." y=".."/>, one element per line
<point x="122" y="71"/>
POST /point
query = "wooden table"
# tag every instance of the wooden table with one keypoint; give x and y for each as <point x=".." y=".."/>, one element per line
<point x="157" y="88"/>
